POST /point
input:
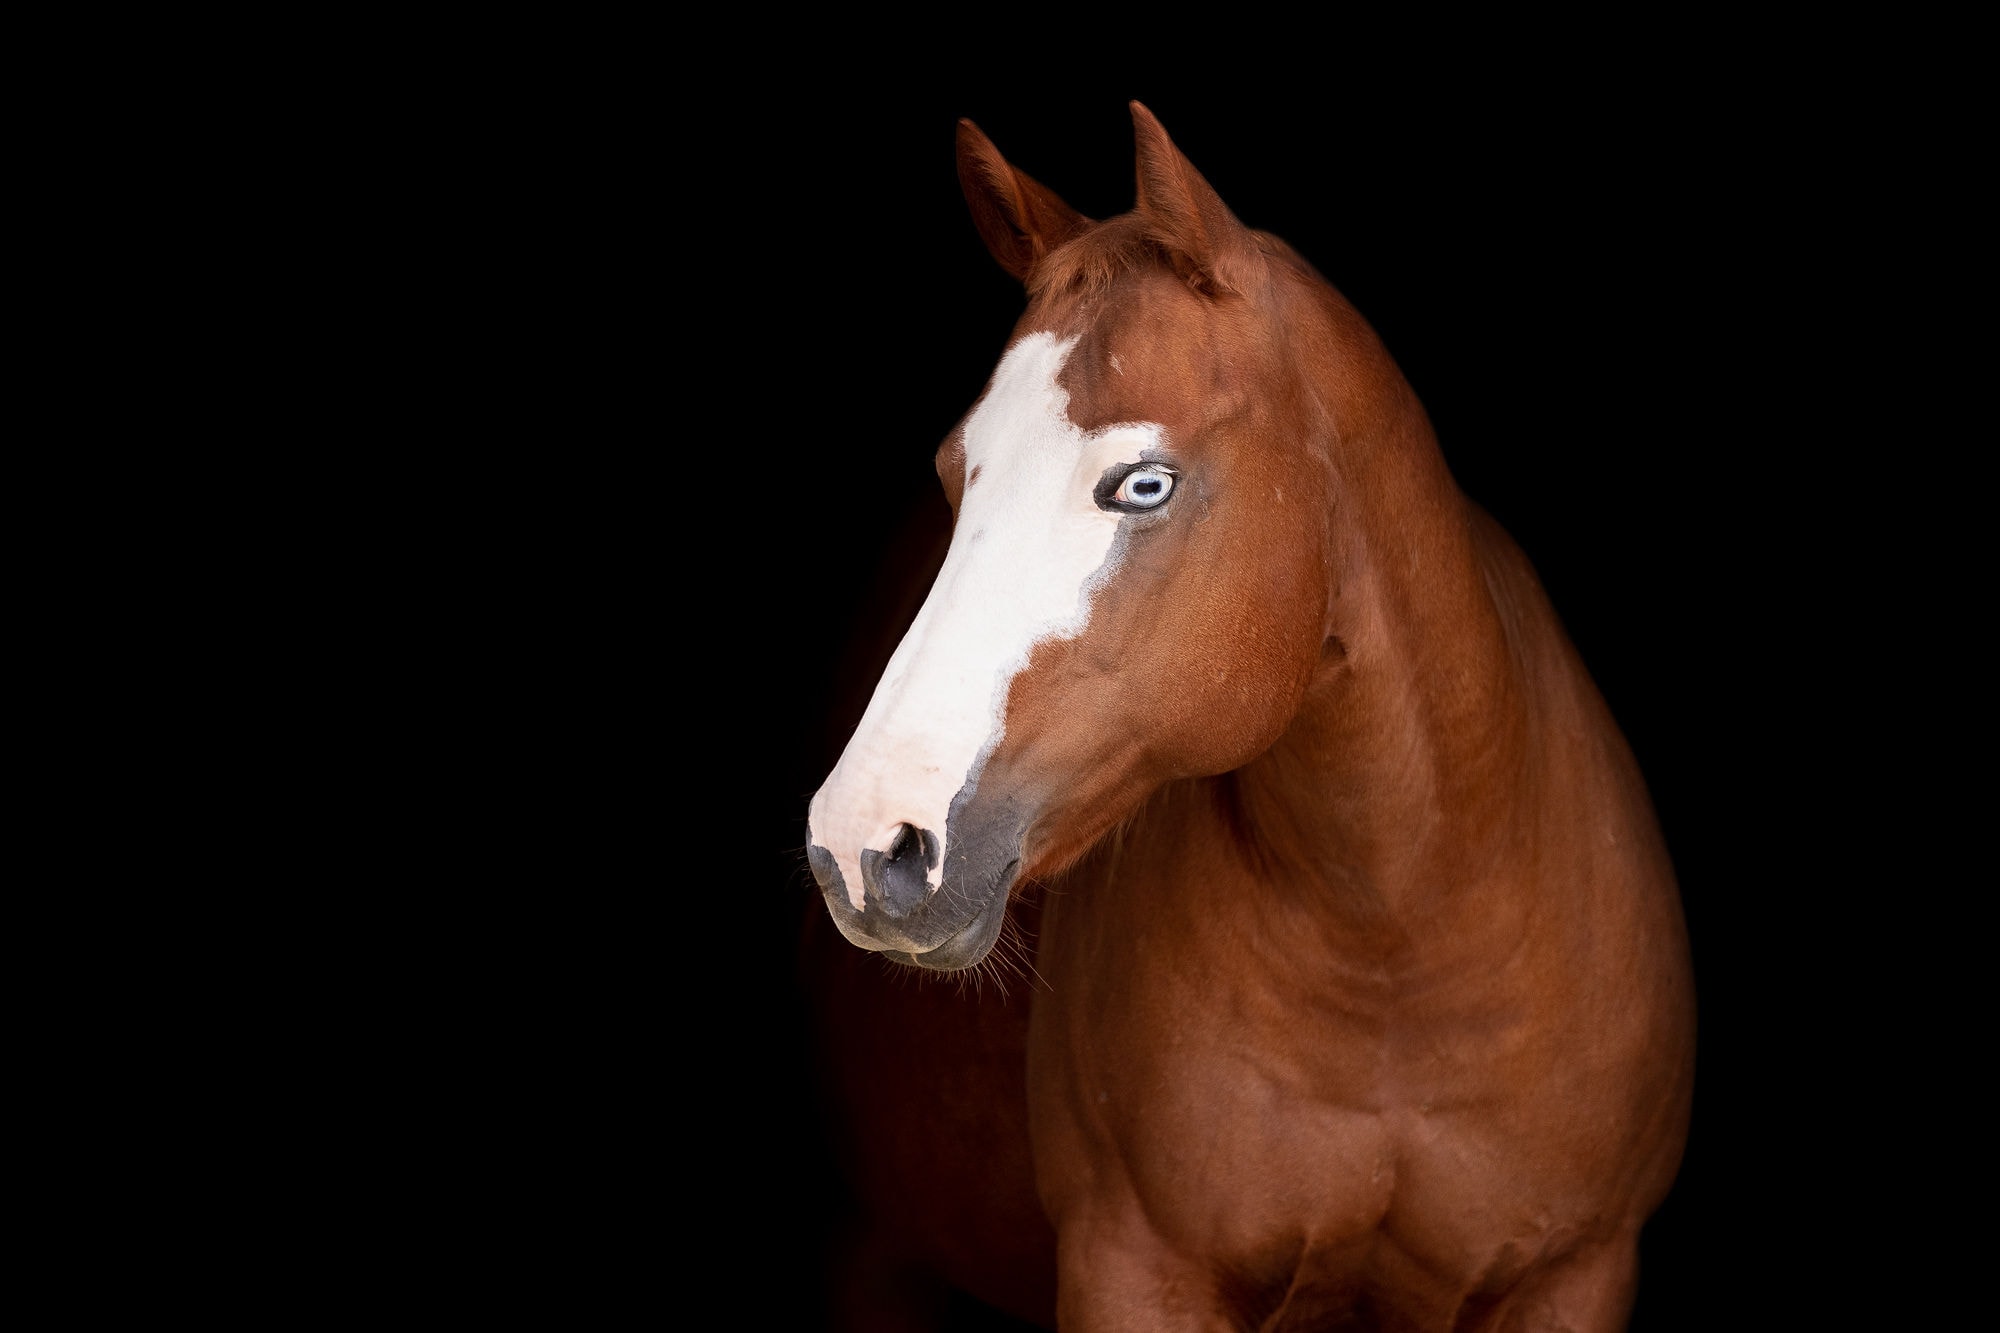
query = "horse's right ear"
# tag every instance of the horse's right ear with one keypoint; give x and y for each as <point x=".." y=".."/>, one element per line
<point x="1018" y="217"/>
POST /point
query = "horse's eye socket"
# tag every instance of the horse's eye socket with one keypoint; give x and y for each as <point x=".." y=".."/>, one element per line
<point x="1144" y="487"/>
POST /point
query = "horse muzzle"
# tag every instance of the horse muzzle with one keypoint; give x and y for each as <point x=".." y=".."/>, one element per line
<point x="946" y="929"/>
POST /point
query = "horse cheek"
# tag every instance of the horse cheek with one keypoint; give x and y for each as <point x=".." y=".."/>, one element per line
<point x="1249" y="648"/>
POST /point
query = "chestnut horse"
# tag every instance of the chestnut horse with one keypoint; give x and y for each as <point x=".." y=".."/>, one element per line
<point x="1350" y="983"/>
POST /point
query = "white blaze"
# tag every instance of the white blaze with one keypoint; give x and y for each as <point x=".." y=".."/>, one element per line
<point x="1028" y="544"/>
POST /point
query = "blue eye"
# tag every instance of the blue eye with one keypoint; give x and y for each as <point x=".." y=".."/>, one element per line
<point x="1144" y="487"/>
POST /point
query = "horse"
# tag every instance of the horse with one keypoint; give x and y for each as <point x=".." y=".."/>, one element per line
<point x="1315" y="958"/>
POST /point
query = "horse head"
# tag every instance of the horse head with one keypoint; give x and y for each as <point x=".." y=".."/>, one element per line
<point x="1141" y="584"/>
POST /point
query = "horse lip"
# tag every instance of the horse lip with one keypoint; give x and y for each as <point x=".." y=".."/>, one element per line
<point x="970" y="943"/>
<point x="963" y="946"/>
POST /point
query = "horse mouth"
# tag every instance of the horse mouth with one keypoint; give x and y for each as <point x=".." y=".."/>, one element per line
<point x="952" y="929"/>
<point x="970" y="944"/>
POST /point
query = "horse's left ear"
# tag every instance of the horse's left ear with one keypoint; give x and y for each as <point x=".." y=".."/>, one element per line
<point x="1018" y="217"/>
<point x="1188" y="216"/>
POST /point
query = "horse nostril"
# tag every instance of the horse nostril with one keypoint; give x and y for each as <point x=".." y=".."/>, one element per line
<point x="897" y="880"/>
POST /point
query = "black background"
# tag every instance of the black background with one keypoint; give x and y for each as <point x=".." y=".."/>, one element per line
<point x="714" y="339"/>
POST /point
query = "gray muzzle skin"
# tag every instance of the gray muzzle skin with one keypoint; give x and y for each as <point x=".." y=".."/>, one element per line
<point x="947" y="930"/>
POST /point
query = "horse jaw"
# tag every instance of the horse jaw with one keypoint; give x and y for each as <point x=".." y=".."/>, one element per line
<point x="912" y="857"/>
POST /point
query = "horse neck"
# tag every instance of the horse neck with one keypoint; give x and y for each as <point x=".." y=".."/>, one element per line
<point x="1409" y="767"/>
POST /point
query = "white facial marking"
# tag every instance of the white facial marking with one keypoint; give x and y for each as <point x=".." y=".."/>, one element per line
<point x="1028" y="551"/>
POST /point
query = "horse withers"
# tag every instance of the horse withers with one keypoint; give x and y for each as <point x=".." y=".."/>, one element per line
<point x="1352" y="983"/>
